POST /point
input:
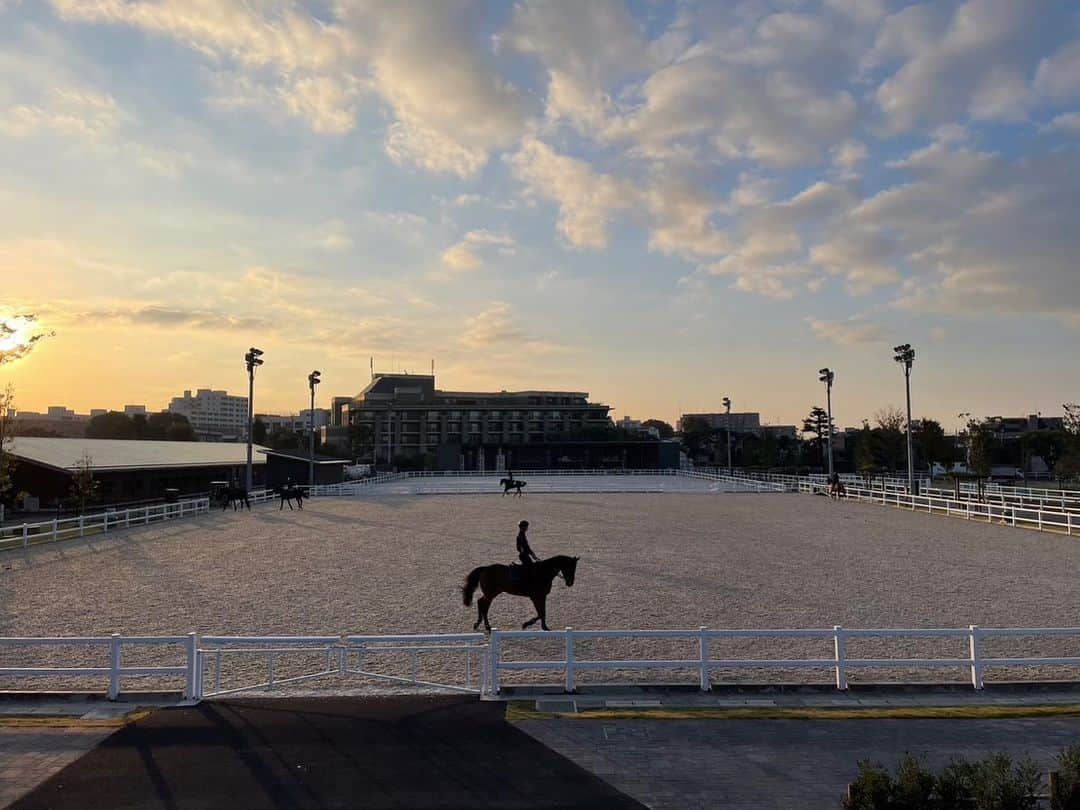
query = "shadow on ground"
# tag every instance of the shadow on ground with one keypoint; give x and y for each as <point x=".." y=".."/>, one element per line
<point x="399" y="752"/>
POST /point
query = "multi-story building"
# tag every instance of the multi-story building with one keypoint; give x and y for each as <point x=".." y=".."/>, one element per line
<point x="737" y="422"/>
<point x="133" y="410"/>
<point x="56" y="419"/>
<point x="631" y="425"/>
<point x="406" y="415"/>
<point x="297" y="422"/>
<point x="214" y="415"/>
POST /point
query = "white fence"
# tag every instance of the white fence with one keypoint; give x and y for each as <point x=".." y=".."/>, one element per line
<point x="204" y="669"/>
<point x="547" y="481"/>
<point x="23" y="535"/>
<point x="1028" y="517"/>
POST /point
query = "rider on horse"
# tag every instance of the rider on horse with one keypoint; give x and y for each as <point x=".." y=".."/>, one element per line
<point x="525" y="554"/>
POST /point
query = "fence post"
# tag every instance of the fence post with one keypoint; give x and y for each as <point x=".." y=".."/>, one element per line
<point x="105" y="522"/>
<point x="1068" y="523"/>
<point x="114" y="666"/>
<point x="81" y="532"/>
<point x="976" y="658"/>
<point x="191" y="648"/>
<point x="841" y="653"/>
<point x="26" y="534"/>
<point x="569" y="659"/>
<point x="703" y="651"/>
<point x="493" y="666"/>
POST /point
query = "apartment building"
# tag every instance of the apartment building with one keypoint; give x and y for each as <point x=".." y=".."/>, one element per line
<point x="214" y="415"/>
<point x="406" y="415"/>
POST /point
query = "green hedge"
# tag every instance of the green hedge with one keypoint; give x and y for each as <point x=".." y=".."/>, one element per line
<point x="995" y="782"/>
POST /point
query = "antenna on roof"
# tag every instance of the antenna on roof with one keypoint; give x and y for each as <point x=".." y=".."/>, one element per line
<point x="432" y="366"/>
<point x="371" y="363"/>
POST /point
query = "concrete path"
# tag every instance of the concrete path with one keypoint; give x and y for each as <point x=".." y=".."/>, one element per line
<point x="402" y="752"/>
<point x="690" y="764"/>
<point x="29" y="756"/>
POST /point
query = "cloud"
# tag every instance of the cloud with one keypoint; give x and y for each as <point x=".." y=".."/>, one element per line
<point x="492" y="326"/>
<point x="170" y="317"/>
<point x="974" y="62"/>
<point x="1066" y="123"/>
<point x="449" y="106"/>
<point x="19" y="335"/>
<point x="465" y="255"/>
<point x="77" y="112"/>
<point x="850" y="332"/>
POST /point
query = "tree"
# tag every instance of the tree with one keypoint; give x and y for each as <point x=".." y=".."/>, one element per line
<point x="258" y="431"/>
<point x="929" y="438"/>
<point x="866" y="450"/>
<point x="83" y="486"/>
<point x="111" y="425"/>
<point x="817" y="423"/>
<point x="665" y="430"/>
<point x="980" y="439"/>
<point x="7" y="433"/>
<point x="697" y="437"/>
<point x="362" y="441"/>
<point x="283" y="439"/>
<point x="892" y="443"/>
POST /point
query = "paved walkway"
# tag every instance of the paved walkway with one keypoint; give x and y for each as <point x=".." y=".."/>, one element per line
<point x="401" y="752"/>
<point x="29" y="756"/>
<point x="691" y="764"/>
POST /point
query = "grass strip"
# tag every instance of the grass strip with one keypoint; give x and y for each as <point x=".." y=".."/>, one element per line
<point x="70" y="721"/>
<point x="526" y="710"/>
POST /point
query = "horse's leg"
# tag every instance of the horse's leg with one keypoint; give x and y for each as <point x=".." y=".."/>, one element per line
<point x="282" y="504"/>
<point x="541" y="610"/>
<point x="487" y="600"/>
<point x="481" y="605"/>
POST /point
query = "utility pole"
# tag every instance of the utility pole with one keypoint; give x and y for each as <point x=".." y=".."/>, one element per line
<point x="827" y="377"/>
<point x="313" y="380"/>
<point x="253" y="358"/>
<point x="727" y="410"/>
<point x="905" y="356"/>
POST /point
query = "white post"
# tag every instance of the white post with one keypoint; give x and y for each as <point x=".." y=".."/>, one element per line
<point x="703" y="652"/>
<point x="191" y="649"/>
<point x="26" y="534"/>
<point x="976" y="658"/>
<point x="569" y="659"/>
<point x="80" y="525"/>
<point x="55" y="529"/>
<point x="105" y="522"/>
<point x="114" y="666"/>
<point x="493" y="666"/>
<point x="840" y="654"/>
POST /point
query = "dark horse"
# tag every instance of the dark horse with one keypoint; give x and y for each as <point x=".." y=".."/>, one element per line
<point x="237" y="496"/>
<point x="533" y="581"/>
<point x="290" y="493"/>
<point x="511" y="483"/>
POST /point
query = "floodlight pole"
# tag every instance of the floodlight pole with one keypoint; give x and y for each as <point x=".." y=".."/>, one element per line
<point x="313" y="380"/>
<point x="252" y="358"/>
<point x="905" y="355"/>
<point x="727" y="410"/>
<point x="827" y="377"/>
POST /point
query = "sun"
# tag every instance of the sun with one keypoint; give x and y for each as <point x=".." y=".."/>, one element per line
<point x="18" y="336"/>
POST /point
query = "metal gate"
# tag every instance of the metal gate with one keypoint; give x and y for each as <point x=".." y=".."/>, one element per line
<point x="228" y="665"/>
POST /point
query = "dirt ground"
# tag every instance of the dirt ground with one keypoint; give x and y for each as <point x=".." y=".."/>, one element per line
<point x="395" y="564"/>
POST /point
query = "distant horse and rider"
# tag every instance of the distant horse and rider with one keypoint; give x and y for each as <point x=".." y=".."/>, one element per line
<point x="836" y="487"/>
<point x="511" y="483"/>
<point x="235" y="495"/>
<point x="532" y="579"/>
<point x="288" y="493"/>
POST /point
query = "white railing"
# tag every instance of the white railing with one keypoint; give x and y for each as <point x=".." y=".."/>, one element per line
<point x="22" y="535"/>
<point x="600" y="480"/>
<point x="1027" y="517"/>
<point x="115" y="669"/>
<point x="838" y="662"/>
<point x="50" y="531"/>
<point x="485" y="659"/>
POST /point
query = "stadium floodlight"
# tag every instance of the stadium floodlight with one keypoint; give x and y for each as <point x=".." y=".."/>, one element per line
<point x="313" y="379"/>
<point x="827" y="377"/>
<point x="253" y="359"/>
<point x="905" y="356"/>
<point x="727" y="410"/>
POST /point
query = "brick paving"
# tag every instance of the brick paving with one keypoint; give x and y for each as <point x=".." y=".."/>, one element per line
<point x="692" y="764"/>
<point x="29" y="756"/>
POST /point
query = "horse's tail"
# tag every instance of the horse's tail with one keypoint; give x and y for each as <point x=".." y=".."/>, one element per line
<point x="471" y="583"/>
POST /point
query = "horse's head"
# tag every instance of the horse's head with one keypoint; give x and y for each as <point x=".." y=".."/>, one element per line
<point x="568" y="567"/>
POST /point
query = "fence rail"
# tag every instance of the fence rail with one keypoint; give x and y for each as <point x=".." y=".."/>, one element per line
<point x="1028" y="517"/>
<point x="485" y="658"/>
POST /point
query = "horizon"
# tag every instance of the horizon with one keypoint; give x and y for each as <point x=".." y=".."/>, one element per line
<point x="658" y="204"/>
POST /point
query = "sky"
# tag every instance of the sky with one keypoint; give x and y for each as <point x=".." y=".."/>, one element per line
<point x="659" y="203"/>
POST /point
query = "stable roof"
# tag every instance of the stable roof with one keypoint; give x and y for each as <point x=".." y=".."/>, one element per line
<point x="130" y="454"/>
<point x="299" y="455"/>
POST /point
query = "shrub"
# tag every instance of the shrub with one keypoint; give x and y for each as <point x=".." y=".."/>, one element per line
<point x="1068" y="781"/>
<point x="991" y="783"/>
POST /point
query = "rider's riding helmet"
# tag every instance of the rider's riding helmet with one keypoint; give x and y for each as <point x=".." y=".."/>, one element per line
<point x="523" y="524"/>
